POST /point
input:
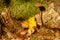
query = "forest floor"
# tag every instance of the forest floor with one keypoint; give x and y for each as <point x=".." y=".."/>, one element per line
<point x="20" y="33"/>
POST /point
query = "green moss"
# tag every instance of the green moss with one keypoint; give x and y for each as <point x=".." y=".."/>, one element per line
<point x="24" y="8"/>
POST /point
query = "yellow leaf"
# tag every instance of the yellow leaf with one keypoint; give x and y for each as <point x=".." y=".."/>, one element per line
<point x="31" y="24"/>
